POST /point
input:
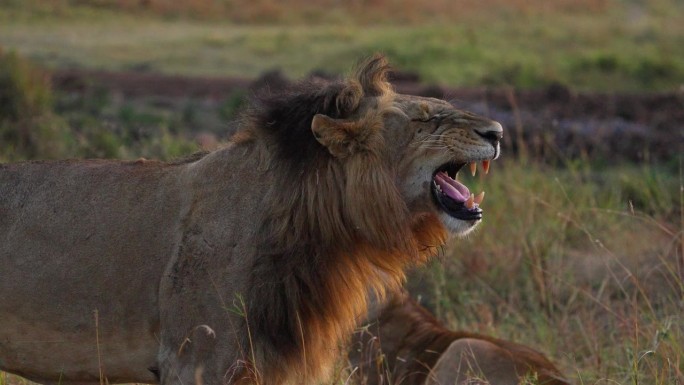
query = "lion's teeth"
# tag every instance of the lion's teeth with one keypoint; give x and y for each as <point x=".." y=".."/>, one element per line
<point x="485" y="166"/>
<point x="479" y="198"/>
<point x="470" y="202"/>
<point x="473" y="168"/>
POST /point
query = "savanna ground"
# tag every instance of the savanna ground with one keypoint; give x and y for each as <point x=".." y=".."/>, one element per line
<point x="581" y="251"/>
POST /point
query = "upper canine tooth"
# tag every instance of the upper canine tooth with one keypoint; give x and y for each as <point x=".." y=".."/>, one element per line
<point x="473" y="168"/>
<point x="485" y="166"/>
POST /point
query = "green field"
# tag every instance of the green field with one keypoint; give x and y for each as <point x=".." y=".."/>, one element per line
<point x="581" y="260"/>
<point x="630" y="46"/>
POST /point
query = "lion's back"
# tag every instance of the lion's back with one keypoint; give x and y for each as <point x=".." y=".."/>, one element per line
<point x="99" y="231"/>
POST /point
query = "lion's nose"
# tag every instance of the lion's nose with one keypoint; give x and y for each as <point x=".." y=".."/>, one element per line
<point x="492" y="133"/>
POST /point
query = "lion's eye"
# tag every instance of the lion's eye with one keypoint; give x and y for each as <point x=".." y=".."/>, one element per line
<point x="434" y="118"/>
<point x="437" y="119"/>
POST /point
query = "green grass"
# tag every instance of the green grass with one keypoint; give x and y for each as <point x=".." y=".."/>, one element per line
<point x="585" y="265"/>
<point x="618" y="47"/>
<point x="28" y="126"/>
<point x="37" y="123"/>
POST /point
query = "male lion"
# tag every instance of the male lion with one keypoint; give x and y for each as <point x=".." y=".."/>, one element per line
<point x="249" y="264"/>
<point x="404" y="344"/>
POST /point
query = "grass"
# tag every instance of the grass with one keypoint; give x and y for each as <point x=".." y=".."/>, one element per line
<point x="36" y="122"/>
<point x="583" y="261"/>
<point x="616" y="46"/>
<point x="584" y="264"/>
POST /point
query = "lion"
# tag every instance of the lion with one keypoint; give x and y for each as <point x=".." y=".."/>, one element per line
<point x="249" y="264"/>
<point x="402" y="343"/>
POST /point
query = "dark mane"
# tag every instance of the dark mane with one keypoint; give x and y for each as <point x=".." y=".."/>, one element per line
<point x="335" y="227"/>
<point x="286" y="116"/>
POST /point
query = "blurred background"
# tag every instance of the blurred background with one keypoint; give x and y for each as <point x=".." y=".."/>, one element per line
<point x="580" y="254"/>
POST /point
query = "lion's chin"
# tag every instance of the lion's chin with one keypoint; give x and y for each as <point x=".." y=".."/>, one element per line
<point x="458" y="227"/>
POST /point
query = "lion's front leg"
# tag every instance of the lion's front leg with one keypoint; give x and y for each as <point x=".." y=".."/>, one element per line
<point x="203" y="334"/>
<point x="201" y="342"/>
<point x="202" y="360"/>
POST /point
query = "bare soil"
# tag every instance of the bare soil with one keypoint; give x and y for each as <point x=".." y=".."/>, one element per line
<point x="554" y="123"/>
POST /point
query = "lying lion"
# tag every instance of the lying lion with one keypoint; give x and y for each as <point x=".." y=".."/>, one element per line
<point x="249" y="264"/>
<point x="402" y="343"/>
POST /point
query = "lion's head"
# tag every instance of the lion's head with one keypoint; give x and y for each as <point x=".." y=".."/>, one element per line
<point x="442" y="141"/>
<point x="406" y="150"/>
<point x="362" y="184"/>
<point x="426" y="141"/>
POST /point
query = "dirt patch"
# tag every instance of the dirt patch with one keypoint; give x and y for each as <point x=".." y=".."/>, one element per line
<point x="551" y="123"/>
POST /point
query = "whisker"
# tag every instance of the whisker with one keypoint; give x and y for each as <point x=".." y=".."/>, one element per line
<point x="428" y="143"/>
<point x="431" y="137"/>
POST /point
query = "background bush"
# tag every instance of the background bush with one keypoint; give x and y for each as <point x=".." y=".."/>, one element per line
<point x="28" y="127"/>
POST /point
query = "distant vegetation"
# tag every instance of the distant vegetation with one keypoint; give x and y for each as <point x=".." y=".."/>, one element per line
<point x="587" y="44"/>
<point x="28" y="126"/>
<point x="37" y="123"/>
<point x="316" y="11"/>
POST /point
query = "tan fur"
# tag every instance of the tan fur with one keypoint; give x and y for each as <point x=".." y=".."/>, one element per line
<point x="272" y="242"/>
<point x="404" y="344"/>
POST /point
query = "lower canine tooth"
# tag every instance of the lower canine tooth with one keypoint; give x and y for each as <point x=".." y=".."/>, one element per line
<point x="470" y="202"/>
<point x="479" y="198"/>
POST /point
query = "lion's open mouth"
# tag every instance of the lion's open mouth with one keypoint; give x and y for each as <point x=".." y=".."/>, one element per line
<point x="452" y="196"/>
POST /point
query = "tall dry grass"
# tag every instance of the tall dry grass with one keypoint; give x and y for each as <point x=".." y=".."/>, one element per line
<point x="584" y="264"/>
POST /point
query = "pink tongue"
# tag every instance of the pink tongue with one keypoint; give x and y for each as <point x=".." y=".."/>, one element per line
<point x="452" y="188"/>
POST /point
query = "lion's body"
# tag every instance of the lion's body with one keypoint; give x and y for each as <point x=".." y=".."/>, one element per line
<point x="401" y="343"/>
<point x="250" y="264"/>
<point x="107" y="237"/>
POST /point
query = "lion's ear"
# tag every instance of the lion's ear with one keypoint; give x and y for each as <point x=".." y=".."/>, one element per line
<point x="341" y="138"/>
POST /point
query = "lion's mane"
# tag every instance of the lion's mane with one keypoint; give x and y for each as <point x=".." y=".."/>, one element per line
<point x="336" y="226"/>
